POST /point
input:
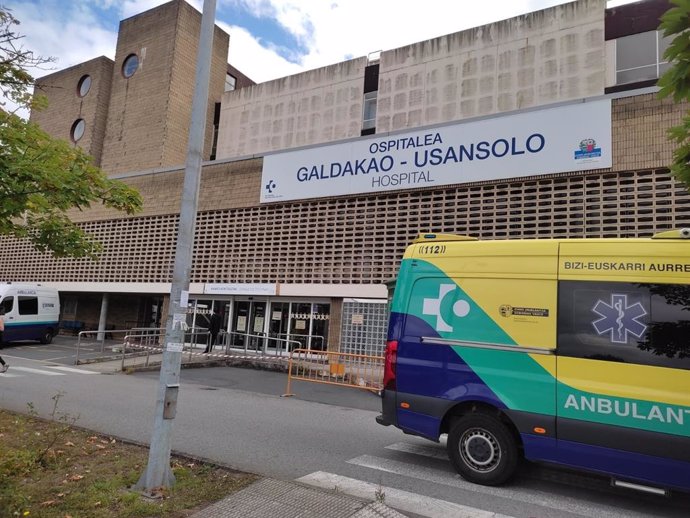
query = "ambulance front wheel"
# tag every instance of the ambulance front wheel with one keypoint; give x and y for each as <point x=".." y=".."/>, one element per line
<point x="482" y="449"/>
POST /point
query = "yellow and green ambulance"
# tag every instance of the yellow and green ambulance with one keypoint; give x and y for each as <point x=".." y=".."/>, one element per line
<point x="567" y="351"/>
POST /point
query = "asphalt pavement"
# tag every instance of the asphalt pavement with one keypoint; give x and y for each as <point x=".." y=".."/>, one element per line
<point x="320" y="451"/>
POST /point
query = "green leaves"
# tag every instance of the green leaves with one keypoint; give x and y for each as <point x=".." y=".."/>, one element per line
<point x="676" y="81"/>
<point x="15" y="80"/>
<point x="42" y="178"/>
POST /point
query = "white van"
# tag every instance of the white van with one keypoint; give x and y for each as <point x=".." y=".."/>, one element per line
<point x="32" y="312"/>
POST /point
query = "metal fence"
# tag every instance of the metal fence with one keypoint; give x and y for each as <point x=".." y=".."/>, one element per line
<point x="362" y="371"/>
<point x="115" y="338"/>
<point x="142" y="344"/>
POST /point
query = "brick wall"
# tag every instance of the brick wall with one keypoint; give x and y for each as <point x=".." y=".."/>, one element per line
<point x="639" y="127"/>
<point x="149" y="115"/>
<point x="360" y="239"/>
<point x="65" y="106"/>
<point x="223" y="185"/>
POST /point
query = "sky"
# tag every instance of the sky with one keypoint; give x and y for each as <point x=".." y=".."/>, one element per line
<point x="268" y="38"/>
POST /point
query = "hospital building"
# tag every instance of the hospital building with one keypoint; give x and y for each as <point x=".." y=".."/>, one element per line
<point x="543" y="125"/>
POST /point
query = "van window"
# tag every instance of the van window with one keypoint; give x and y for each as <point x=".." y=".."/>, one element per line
<point x="646" y="324"/>
<point x="27" y="305"/>
<point x="8" y="304"/>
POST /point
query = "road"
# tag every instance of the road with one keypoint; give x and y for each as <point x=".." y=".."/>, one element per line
<point x="324" y="436"/>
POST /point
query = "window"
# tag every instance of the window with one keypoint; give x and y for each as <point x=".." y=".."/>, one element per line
<point x="216" y="124"/>
<point x="8" y="304"/>
<point x="645" y="324"/>
<point x="369" y="114"/>
<point x="77" y="131"/>
<point x="84" y="86"/>
<point x="130" y="65"/>
<point x="230" y="82"/>
<point x="27" y="305"/>
<point x="639" y="57"/>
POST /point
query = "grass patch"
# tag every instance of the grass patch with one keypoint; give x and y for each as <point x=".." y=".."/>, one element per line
<point x="51" y="469"/>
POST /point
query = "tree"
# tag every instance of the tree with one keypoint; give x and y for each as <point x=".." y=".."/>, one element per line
<point x="42" y="178"/>
<point x="676" y="81"/>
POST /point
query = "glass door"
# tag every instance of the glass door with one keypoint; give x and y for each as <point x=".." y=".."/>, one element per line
<point x="278" y="325"/>
<point x="319" y="326"/>
<point x="248" y="321"/>
<point x="300" y="319"/>
<point x="258" y="320"/>
<point x="240" y="323"/>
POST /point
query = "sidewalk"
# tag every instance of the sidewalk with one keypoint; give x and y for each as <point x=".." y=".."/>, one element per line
<point x="269" y="498"/>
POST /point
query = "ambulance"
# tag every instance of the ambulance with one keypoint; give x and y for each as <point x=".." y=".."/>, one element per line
<point x="32" y="312"/>
<point x="573" y="352"/>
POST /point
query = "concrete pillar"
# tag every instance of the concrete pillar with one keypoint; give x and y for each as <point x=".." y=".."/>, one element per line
<point x="103" y="318"/>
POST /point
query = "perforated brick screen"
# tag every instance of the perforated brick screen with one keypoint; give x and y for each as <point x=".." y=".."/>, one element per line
<point x="361" y="239"/>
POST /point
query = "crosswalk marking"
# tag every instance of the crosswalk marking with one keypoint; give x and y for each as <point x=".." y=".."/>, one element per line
<point x="396" y="498"/>
<point x="35" y="371"/>
<point x="431" y="451"/>
<point x="50" y="370"/>
<point x="533" y="497"/>
<point x="70" y="369"/>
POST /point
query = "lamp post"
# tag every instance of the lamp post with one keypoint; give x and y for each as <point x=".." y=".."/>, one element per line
<point x="158" y="471"/>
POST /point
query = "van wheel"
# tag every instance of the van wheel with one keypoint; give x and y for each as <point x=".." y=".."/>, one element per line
<point x="47" y="336"/>
<point x="482" y="449"/>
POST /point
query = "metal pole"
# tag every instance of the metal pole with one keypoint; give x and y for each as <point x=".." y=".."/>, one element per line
<point x="102" y="320"/>
<point x="158" y="471"/>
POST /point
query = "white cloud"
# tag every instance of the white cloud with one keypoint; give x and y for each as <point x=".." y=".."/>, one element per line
<point x="251" y="58"/>
<point x="69" y="32"/>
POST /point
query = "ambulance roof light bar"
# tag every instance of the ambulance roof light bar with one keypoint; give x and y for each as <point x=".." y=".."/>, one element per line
<point x="423" y="238"/>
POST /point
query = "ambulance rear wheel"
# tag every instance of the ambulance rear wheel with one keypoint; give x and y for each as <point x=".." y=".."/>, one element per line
<point x="47" y="337"/>
<point x="482" y="449"/>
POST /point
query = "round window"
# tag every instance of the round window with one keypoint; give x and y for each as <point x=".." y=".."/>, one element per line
<point x="84" y="86"/>
<point x="130" y="65"/>
<point x="78" y="128"/>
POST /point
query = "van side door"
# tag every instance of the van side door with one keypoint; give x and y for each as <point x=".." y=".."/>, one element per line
<point x="10" y="312"/>
<point x="623" y="397"/>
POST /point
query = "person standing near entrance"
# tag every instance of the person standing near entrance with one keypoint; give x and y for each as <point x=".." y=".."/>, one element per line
<point x="3" y="365"/>
<point x="213" y="329"/>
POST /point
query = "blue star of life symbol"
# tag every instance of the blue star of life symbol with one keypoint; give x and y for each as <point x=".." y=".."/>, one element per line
<point x="619" y="319"/>
<point x="270" y="186"/>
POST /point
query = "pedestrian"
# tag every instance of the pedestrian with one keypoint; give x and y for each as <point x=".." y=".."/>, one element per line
<point x="3" y="365"/>
<point x="213" y="329"/>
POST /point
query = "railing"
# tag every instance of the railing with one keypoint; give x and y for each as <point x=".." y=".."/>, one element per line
<point x="360" y="371"/>
<point x="321" y="339"/>
<point x="252" y="341"/>
<point x="101" y="337"/>
<point x="149" y="342"/>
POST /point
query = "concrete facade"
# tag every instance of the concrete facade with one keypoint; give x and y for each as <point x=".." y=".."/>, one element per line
<point x="149" y="112"/>
<point x="318" y="106"/>
<point x="67" y="106"/>
<point x="544" y="57"/>
<point x="335" y="247"/>
<point x="548" y="56"/>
